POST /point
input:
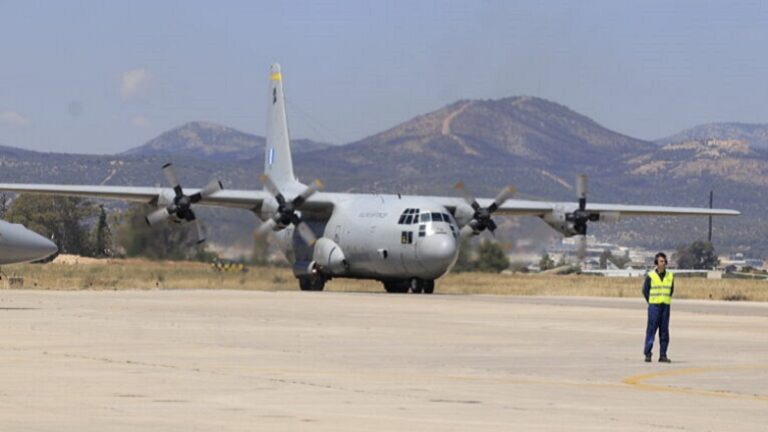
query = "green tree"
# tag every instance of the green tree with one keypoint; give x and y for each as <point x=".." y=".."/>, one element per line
<point x="164" y="241"/>
<point x="546" y="263"/>
<point x="698" y="255"/>
<point x="4" y="201"/>
<point x="62" y="219"/>
<point x="102" y="245"/>
<point x="491" y="258"/>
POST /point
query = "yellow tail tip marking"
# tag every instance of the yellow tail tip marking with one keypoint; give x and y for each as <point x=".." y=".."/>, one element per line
<point x="276" y="76"/>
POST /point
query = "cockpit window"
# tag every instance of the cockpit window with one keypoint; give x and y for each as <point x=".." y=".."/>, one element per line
<point x="437" y="217"/>
<point x="424" y="217"/>
<point x="446" y="217"/>
<point x="408" y="219"/>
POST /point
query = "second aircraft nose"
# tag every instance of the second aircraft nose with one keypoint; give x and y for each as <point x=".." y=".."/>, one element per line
<point x="18" y="244"/>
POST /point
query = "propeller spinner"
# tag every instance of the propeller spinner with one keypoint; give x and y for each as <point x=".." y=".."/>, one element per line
<point x="581" y="216"/>
<point x="181" y="207"/>
<point x="481" y="219"/>
<point x="286" y="213"/>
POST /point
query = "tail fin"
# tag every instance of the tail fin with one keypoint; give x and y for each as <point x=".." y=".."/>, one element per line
<point x="278" y="163"/>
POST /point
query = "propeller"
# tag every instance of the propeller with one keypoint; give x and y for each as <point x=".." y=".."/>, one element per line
<point x="581" y="216"/>
<point x="181" y="207"/>
<point x="286" y="210"/>
<point x="481" y="219"/>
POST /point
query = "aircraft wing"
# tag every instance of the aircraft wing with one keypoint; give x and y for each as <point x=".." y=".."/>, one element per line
<point x="514" y="207"/>
<point x="250" y="200"/>
<point x="517" y="207"/>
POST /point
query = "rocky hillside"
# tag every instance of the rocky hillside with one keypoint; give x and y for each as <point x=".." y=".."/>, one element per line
<point x="756" y="135"/>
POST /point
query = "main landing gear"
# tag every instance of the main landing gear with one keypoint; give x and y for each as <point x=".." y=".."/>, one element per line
<point x="415" y="285"/>
<point x="312" y="283"/>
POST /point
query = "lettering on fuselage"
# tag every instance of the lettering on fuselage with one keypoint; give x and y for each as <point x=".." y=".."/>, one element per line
<point x="377" y="215"/>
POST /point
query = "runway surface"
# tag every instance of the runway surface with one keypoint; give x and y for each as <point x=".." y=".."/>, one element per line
<point x="280" y="361"/>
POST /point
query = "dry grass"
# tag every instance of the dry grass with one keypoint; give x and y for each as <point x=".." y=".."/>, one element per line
<point x="143" y="274"/>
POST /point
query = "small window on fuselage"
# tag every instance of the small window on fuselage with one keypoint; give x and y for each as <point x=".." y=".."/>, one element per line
<point x="424" y="217"/>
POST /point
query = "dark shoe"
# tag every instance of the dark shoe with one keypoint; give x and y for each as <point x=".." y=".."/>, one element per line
<point x="648" y="358"/>
<point x="664" y="360"/>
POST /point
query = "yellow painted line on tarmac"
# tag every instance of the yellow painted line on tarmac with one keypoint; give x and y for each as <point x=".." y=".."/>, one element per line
<point x="640" y="382"/>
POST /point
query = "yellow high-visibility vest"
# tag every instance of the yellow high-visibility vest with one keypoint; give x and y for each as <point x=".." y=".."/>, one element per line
<point x="661" y="290"/>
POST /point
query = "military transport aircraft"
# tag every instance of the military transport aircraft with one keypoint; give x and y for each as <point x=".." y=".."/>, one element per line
<point x="19" y="245"/>
<point x="406" y="242"/>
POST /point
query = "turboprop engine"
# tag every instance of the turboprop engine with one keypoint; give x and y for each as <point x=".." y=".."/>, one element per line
<point x="329" y="257"/>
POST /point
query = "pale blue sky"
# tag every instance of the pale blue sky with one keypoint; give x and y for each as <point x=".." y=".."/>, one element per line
<point x="101" y="77"/>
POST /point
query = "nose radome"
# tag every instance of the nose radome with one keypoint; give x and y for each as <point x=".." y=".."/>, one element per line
<point x="22" y="245"/>
<point x="41" y="247"/>
<point x="436" y="253"/>
<point x="439" y="247"/>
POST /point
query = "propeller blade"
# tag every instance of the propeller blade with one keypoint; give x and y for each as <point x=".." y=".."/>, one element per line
<point x="266" y="227"/>
<point x="491" y="225"/>
<point x="466" y="195"/>
<point x="504" y="195"/>
<point x="308" y="192"/>
<point x="270" y="185"/>
<point x="581" y="247"/>
<point x="581" y="190"/>
<point x="170" y="175"/>
<point x="211" y="188"/>
<point x="157" y="216"/>
<point x="306" y="233"/>
<point x="200" y="231"/>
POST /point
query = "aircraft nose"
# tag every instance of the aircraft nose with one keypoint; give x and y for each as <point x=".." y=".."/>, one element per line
<point x="18" y="244"/>
<point x="437" y="253"/>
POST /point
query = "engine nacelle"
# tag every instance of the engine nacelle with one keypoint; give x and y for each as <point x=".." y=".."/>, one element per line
<point x="329" y="257"/>
<point x="165" y="198"/>
<point x="558" y="221"/>
<point x="463" y="214"/>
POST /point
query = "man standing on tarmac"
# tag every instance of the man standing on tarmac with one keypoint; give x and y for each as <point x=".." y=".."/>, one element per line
<point x="658" y="289"/>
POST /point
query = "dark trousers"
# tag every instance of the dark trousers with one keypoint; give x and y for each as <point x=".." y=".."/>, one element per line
<point x="658" y="318"/>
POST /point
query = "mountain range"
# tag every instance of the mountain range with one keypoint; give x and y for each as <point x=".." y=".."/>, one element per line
<point x="536" y="145"/>
<point x="756" y="135"/>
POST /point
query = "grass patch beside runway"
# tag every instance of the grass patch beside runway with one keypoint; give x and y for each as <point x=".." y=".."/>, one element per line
<point x="143" y="274"/>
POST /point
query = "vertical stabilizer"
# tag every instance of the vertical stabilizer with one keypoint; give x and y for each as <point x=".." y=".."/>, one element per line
<point x="277" y="162"/>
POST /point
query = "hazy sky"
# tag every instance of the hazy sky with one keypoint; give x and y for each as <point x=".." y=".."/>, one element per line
<point x="101" y="77"/>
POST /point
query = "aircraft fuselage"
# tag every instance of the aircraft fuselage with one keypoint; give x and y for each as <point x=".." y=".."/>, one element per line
<point x="380" y="237"/>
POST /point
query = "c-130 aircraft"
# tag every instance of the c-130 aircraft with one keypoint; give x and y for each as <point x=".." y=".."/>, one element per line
<point x="406" y="242"/>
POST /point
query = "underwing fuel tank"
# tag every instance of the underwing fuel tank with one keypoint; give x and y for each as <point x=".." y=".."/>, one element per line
<point x="329" y="257"/>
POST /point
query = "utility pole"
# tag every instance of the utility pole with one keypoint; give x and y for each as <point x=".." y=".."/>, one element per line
<point x="711" y="193"/>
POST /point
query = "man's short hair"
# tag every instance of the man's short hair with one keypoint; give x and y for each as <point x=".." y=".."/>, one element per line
<point x="660" y="255"/>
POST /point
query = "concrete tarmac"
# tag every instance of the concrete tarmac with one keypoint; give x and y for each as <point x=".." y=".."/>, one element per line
<point x="293" y="361"/>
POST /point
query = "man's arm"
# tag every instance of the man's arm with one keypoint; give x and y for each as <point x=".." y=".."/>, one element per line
<point x="647" y="288"/>
<point x="672" y="290"/>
